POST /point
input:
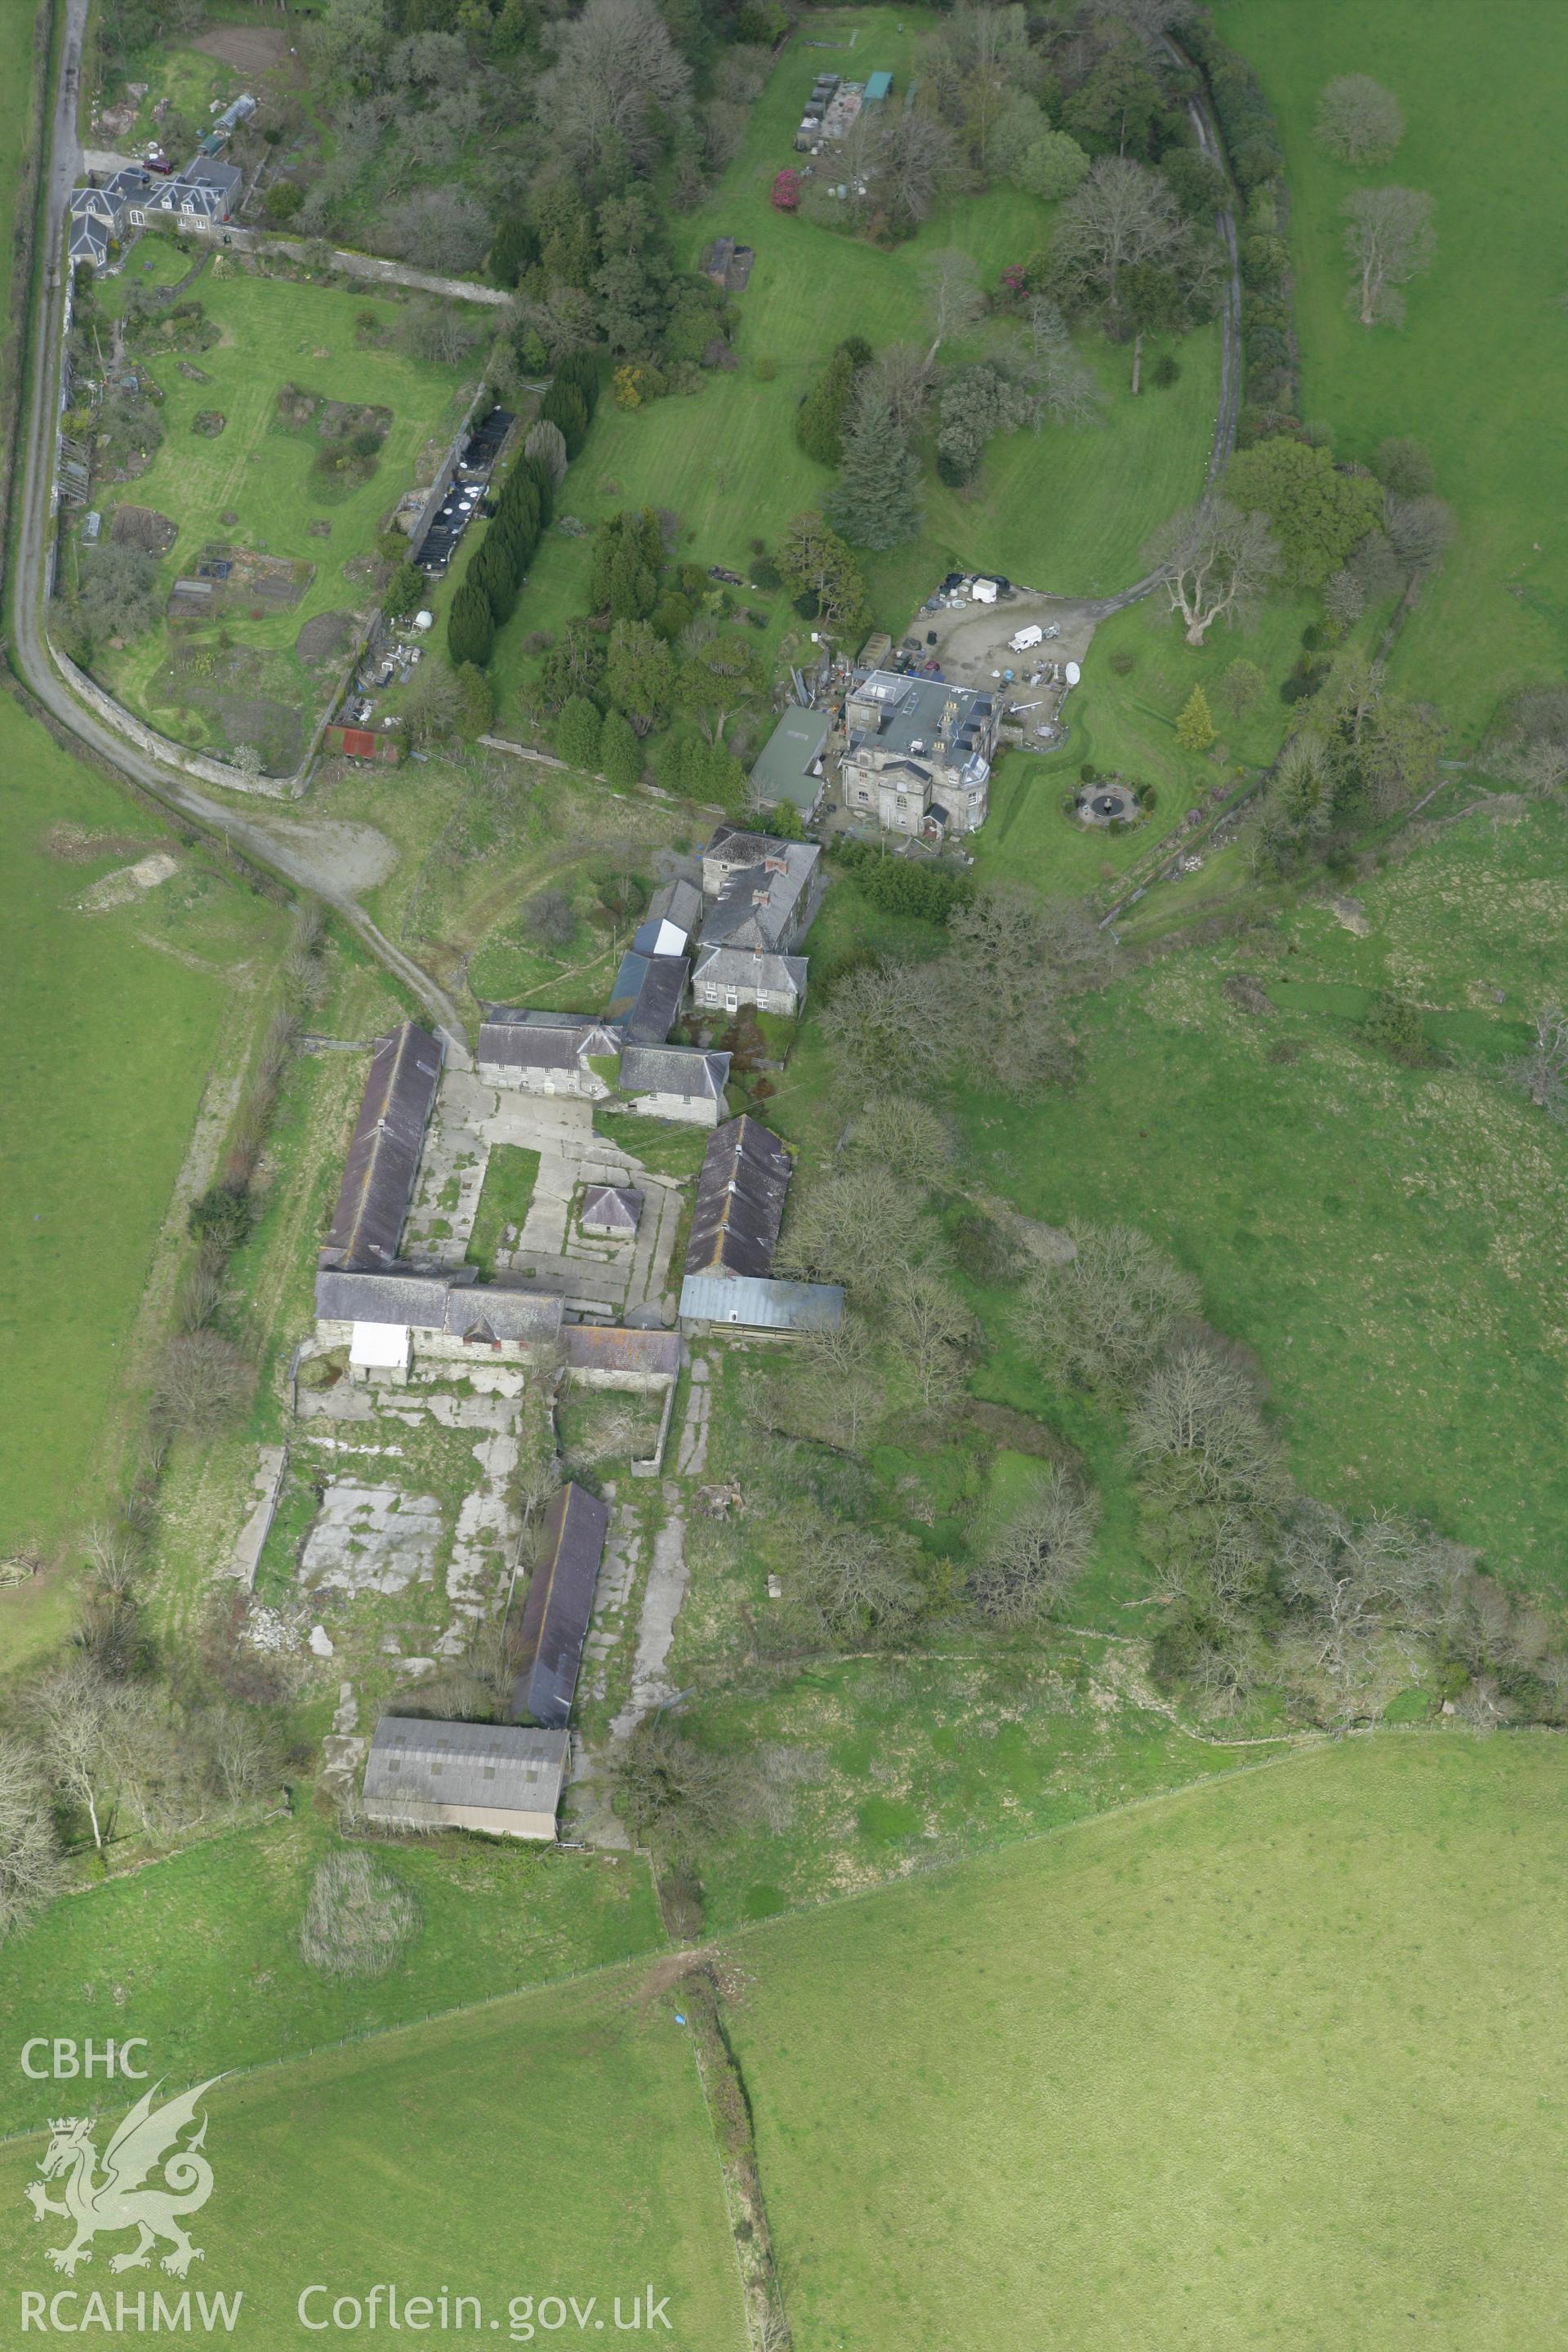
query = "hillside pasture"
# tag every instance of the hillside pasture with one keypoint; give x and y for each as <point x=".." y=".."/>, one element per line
<point x="555" y="2146"/>
<point x="1276" y="2062"/>
<point x="1474" y="373"/>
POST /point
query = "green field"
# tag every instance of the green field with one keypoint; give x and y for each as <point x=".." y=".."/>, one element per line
<point x="1278" y="2062"/>
<point x="553" y="2145"/>
<point x="1064" y="510"/>
<point x="114" y="1022"/>
<point x="272" y="334"/>
<point x="200" y="1953"/>
<point x="1474" y="373"/>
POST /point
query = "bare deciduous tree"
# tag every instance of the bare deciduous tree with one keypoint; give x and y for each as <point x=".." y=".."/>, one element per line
<point x="1390" y="240"/>
<point x="935" y="1328"/>
<point x="904" y="1135"/>
<point x="1419" y="531"/>
<point x="905" y="375"/>
<point x="1215" y="563"/>
<point x="243" y="1756"/>
<point x="1058" y="382"/>
<point x="1358" y="120"/>
<point x="202" y="1381"/>
<point x="1357" y="1579"/>
<point x="616" y="70"/>
<point x="857" y="1581"/>
<point x="1102" y="1316"/>
<point x="952" y="288"/>
<point x="887" y="1026"/>
<point x="1037" y="1553"/>
<point x="677" y="1796"/>
<point x="69" y="1709"/>
<point x="1543" y="1072"/>
<point x="1123" y="214"/>
<point x="29" y="1858"/>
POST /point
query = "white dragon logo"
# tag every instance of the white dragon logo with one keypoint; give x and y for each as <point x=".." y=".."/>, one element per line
<point x="146" y="2137"/>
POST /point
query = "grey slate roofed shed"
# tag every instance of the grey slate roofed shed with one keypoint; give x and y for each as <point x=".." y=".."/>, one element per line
<point x="612" y="1209"/>
<point x="437" y="1302"/>
<point x="384" y="1158"/>
<point x="739" y="1201"/>
<point x="674" y="1070"/>
<point x="647" y="996"/>
<point x="559" y="1604"/>
<point x="503" y="1778"/>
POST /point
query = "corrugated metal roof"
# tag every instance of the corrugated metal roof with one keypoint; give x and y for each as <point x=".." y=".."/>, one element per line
<point x="559" y="1604"/>
<point x="417" y="1765"/>
<point x="384" y="1158"/>
<point x="782" y="768"/>
<point x="739" y="1201"/>
<point x="753" y="1305"/>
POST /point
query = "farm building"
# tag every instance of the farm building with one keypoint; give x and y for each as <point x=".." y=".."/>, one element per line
<point x="389" y="1318"/>
<point x="545" y="1053"/>
<point x="673" y="914"/>
<point x="720" y="1302"/>
<point x="789" y="765"/>
<point x="611" y="1211"/>
<point x="728" y="265"/>
<point x="740" y="1204"/>
<point x="360" y="743"/>
<point x="675" y="1082"/>
<point x="505" y="1778"/>
<point x="603" y="1356"/>
<point x="646" y="998"/>
<point x="383" y="1157"/>
<point x="559" y="1604"/>
<point x="878" y="87"/>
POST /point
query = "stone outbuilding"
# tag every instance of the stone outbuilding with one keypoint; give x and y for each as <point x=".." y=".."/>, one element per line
<point x="501" y="1778"/>
<point x="675" y="1082"/>
<point x="611" y="1212"/>
<point x="559" y="1604"/>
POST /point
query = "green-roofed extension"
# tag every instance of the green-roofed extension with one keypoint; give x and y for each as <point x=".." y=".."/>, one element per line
<point x="878" y="88"/>
<point x="787" y="765"/>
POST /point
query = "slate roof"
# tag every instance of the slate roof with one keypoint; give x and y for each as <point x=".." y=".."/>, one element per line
<point x="618" y="1206"/>
<point x="778" y="975"/>
<point x="415" y="1766"/>
<point x="679" y="903"/>
<point x="462" y="1310"/>
<point x="759" y="904"/>
<point x="605" y="1348"/>
<point x="517" y="1042"/>
<point x="674" y="1070"/>
<point x="208" y="171"/>
<point x="647" y="996"/>
<point x="384" y="1158"/>
<point x="757" y="1304"/>
<point x="559" y="1604"/>
<point x="739" y="1202"/>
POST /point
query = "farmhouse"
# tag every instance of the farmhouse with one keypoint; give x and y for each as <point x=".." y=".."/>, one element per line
<point x="383" y="1157"/>
<point x="789" y="765"/>
<point x="505" y="1778"/>
<point x="545" y="1053"/>
<point x="918" y="752"/>
<point x="559" y="1604"/>
<point x="731" y="977"/>
<point x="764" y="893"/>
<point x="675" y="1082"/>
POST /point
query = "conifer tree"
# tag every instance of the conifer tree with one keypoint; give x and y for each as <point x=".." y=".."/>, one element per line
<point x="876" y="501"/>
<point x="1195" y="727"/>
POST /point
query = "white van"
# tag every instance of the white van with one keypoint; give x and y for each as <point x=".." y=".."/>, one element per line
<point x="1033" y="636"/>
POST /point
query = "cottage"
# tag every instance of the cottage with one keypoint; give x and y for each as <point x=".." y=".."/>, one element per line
<point x="919" y="752"/>
<point x="504" y="1779"/>
<point x="789" y="765"/>
<point x="764" y="892"/>
<point x="740" y="1204"/>
<point x="675" y="1082"/>
<point x="647" y="996"/>
<point x="559" y="1604"/>
<point x="383" y="1157"/>
<point x="727" y="978"/>
<point x="611" y="1211"/>
<point x="546" y="1053"/>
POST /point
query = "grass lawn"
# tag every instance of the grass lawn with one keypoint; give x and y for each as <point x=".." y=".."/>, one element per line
<point x="114" y="1021"/>
<point x="200" y="1953"/>
<point x="511" y="1172"/>
<point x="1475" y="370"/>
<point x="1277" y="2062"/>
<point x="272" y="333"/>
<point x="1064" y="510"/>
<point x="558" y="2145"/>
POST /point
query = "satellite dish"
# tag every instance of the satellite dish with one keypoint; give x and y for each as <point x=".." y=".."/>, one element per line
<point x="1072" y="673"/>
